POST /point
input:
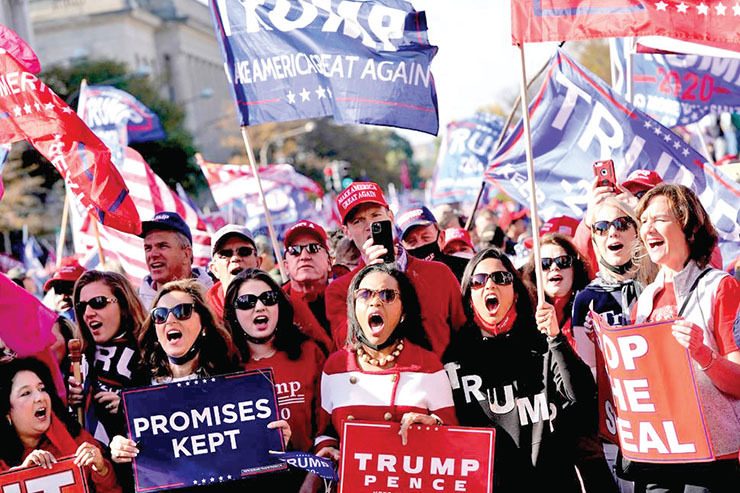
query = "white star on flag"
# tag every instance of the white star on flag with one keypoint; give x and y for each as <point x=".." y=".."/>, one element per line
<point x="685" y="152"/>
<point x="702" y="8"/>
<point x="305" y="95"/>
<point x="49" y="106"/>
<point x="195" y="481"/>
<point x="67" y="109"/>
<point x="657" y="131"/>
<point x="661" y="5"/>
<point x="320" y="92"/>
<point x="667" y="138"/>
<point x="720" y="9"/>
<point x="37" y="106"/>
<point x="681" y="7"/>
<point x="229" y="476"/>
<point x="27" y="108"/>
<point x="648" y="124"/>
<point x="220" y="478"/>
<point x="203" y="481"/>
<point x="17" y="111"/>
<point x="291" y="97"/>
<point x="676" y="145"/>
<point x="736" y="8"/>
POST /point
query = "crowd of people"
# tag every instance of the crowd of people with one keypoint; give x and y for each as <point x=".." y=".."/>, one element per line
<point x="449" y="333"/>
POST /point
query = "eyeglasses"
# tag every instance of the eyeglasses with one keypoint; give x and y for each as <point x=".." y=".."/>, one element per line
<point x="384" y="295"/>
<point x="183" y="311"/>
<point x="241" y="251"/>
<point x="620" y="224"/>
<point x="295" y="250"/>
<point x="96" y="303"/>
<point x="500" y="277"/>
<point x="249" y="301"/>
<point x="640" y="193"/>
<point x="562" y="262"/>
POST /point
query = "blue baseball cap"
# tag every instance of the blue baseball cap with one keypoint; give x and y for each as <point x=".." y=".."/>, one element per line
<point x="416" y="215"/>
<point x="166" y="221"/>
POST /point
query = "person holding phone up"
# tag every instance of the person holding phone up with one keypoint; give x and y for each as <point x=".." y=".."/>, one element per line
<point x="360" y="206"/>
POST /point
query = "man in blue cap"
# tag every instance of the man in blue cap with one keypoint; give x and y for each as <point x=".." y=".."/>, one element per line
<point x="422" y="238"/>
<point x="168" y="249"/>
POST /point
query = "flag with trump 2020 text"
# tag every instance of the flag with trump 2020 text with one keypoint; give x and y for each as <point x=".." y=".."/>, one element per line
<point x="466" y="149"/>
<point x="560" y="20"/>
<point x="30" y="111"/>
<point x="577" y="119"/>
<point x="678" y="89"/>
<point x="362" y="62"/>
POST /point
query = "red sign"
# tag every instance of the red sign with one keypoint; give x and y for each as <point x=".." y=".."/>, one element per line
<point x="436" y="458"/>
<point x="63" y="477"/>
<point x="560" y="20"/>
<point x="659" y="413"/>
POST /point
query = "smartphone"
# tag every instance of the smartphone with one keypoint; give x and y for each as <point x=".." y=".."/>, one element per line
<point x="382" y="233"/>
<point x="605" y="171"/>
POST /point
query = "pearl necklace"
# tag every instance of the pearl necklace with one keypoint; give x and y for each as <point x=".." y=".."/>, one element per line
<point x="380" y="362"/>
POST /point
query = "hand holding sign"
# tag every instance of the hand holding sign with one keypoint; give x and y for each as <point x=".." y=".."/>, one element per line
<point x="409" y="419"/>
<point x="691" y="336"/>
<point x="88" y="455"/>
<point x="547" y="320"/>
<point x="39" y="458"/>
<point x="123" y="449"/>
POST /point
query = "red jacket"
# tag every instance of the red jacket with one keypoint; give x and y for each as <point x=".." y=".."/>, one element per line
<point x="439" y="297"/>
<point x="306" y="321"/>
<point x="215" y="298"/>
<point x="417" y="383"/>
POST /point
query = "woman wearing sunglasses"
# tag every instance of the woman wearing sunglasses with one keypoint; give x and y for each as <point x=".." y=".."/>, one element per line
<point x="506" y="374"/>
<point x="259" y="317"/>
<point x="386" y="372"/>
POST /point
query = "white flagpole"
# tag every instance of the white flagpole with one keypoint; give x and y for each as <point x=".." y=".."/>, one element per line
<point x="270" y="228"/>
<point x="628" y="49"/>
<point x="532" y="189"/>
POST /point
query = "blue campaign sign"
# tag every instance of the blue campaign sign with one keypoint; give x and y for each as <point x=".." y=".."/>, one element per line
<point x="362" y="62"/>
<point x="576" y="120"/>
<point x="466" y="149"/>
<point x="680" y="89"/>
<point x="203" y="431"/>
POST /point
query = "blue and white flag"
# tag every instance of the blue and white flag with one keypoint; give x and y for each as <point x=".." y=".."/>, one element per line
<point x="679" y="89"/>
<point x="363" y="62"/>
<point x="576" y="120"/>
<point x="467" y="148"/>
<point x="323" y="468"/>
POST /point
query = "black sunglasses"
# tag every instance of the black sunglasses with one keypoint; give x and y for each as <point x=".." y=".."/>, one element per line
<point x="640" y="193"/>
<point x="249" y="301"/>
<point x="384" y="295"/>
<point x="241" y="251"/>
<point x="620" y="224"/>
<point x="295" y="250"/>
<point x="95" y="303"/>
<point x="183" y="311"/>
<point x="562" y="262"/>
<point x="500" y="277"/>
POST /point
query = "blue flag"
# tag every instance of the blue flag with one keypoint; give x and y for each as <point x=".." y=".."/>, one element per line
<point x="467" y="148"/>
<point x="363" y="62"/>
<point x="680" y="89"/>
<point x="323" y="468"/>
<point x="576" y="120"/>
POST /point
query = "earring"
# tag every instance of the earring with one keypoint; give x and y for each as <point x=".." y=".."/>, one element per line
<point x="10" y="421"/>
<point x="203" y="333"/>
<point x="403" y="317"/>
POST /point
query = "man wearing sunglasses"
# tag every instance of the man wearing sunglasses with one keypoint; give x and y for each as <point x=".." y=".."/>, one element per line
<point x="168" y="250"/>
<point x="232" y="250"/>
<point x="308" y="263"/>
<point x="359" y="205"/>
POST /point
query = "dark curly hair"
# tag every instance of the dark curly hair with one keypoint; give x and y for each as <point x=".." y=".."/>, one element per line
<point x="11" y="451"/>
<point x="217" y="352"/>
<point x="287" y="336"/>
<point x="411" y="327"/>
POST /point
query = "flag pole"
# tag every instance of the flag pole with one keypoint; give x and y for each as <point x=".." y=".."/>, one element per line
<point x="532" y="189"/>
<point x="268" y="218"/>
<point x="63" y="231"/>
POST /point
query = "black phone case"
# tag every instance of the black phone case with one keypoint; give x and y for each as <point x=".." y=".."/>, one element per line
<point x="382" y="235"/>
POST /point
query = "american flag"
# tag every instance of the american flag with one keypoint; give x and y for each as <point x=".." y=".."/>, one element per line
<point x="151" y="195"/>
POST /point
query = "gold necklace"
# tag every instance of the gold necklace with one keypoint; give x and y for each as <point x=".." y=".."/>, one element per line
<point x="380" y="362"/>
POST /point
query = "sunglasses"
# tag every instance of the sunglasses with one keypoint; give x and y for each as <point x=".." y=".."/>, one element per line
<point x="249" y="301"/>
<point x="562" y="262"/>
<point x="295" y="250"/>
<point x="384" y="295"/>
<point x="640" y="193"/>
<point x="241" y="251"/>
<point x="183" y="311"/>
<point x="95" y="303"/>
<point x="500" y="277"/>
<point x="620" y="224"/>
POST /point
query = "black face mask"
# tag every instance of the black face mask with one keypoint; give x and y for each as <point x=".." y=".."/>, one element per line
<point x="426" y="252"/>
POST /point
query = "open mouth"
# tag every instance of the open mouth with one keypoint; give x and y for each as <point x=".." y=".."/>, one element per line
<point x="235" y="271"/>
<point x="173" y="335"/>
<point x="615" y="247"/>
<point x="156" y="265"/>
<point x="655" y="243"/>
<point x="492" y="303"/>
<point x="375" y="322"/>
<point x="555" y="278"/>
<point x="260" y="322"/>
<point x="40" y="413"/>
<point x="95" y="325"/>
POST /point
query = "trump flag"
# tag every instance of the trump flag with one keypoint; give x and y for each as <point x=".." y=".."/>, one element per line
<point x="559" y="20"/>
<point x="362" y="62"/>
<point x="576" y="120"/>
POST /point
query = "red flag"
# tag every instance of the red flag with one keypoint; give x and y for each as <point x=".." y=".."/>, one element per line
<point x="29" y="110"/>
<point x="559" y="20"/>
<point x="20" y="50"/>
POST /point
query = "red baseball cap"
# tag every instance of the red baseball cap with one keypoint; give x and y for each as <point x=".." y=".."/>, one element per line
<point x="565" y="225"/>
<point x="507" y="217"/>
<point x="642" y="179"/>
<point x="308" y="227"/>
<point x="358" y="193"/>
<point x="457" y="234"/>
<point x="69" y="271"/>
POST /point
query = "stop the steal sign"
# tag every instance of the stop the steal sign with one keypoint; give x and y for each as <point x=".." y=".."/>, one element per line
<point x="63" y="477"/>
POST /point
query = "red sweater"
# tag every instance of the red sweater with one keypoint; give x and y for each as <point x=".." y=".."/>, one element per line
<point x="439" y="297"/>
<point x="296" y="386"/>
<point x="417" y="383"/>
<point x="61" y="444"/>
<point x="215" y="298"/>
<point x="306" y="321"/>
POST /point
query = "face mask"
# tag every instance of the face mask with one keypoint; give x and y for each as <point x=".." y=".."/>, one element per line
<point x="465" y="255"/>
<point x="425" y="252"/>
